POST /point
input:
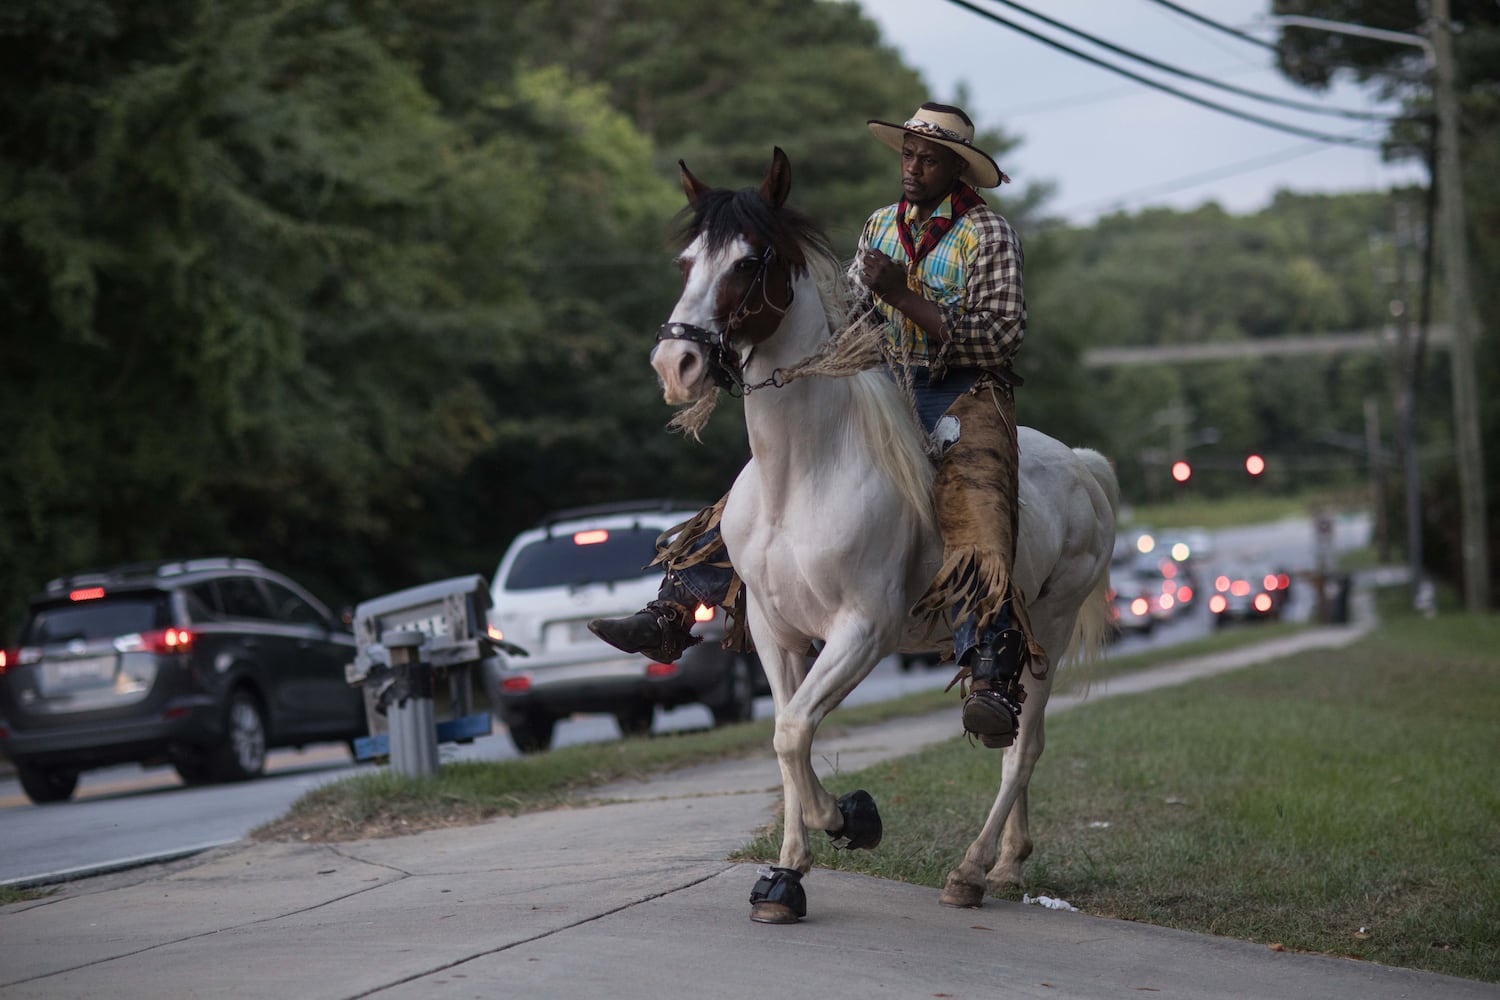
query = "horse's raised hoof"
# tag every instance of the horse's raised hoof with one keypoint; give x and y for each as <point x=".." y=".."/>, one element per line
<point x="861" y="830"/>
<point x="966" y="895"/>
<point x="778" y="897"/>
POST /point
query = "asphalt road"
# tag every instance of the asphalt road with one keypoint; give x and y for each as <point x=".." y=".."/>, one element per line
<point x="123" y="815"/>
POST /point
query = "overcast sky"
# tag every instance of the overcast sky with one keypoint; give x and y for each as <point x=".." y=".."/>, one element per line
<point x="1110" y="143"/>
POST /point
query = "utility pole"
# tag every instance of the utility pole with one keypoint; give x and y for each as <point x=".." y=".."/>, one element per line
<point x="1461" y="320"/>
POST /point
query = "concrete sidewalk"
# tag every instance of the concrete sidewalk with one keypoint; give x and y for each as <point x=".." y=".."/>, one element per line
<point x="631" y="899"/>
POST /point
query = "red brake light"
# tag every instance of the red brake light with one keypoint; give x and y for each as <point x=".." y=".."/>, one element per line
<point x="4" y="660"/>
<point x="1240" y="588"/>
<point x="86" y="594"/>
<point x="516" y="685"/>
<point x="1217" y="604"/>
<point x="1283" y="581"/>
<point x="167" y="640"/>
<point x="703" y="613"/>
<point x="660" y="669"/>
<point x="1262" y="603"/>
<point x="590" y="537"/>
<point x="1184" y="594"/>
<point x="1270" y="582"/>
<point x="1221" y="584"/>
<point x="1140" y="606"/>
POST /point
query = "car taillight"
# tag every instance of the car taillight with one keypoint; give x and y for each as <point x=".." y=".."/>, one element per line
<point x="704" y="613"/>
<point x="1263" y="603"/>
<point x="1184" y="594"/>
<point x="1270" y="582"/>
<point x="590" y="537"/>
<point x="1217" y="604"/>
<point x="1283" y="581"/>
<point x="1140" y="606"/>
<point x="1221" y="584"/>
<point x="167" y="640"/>
<point x="1240" y="588"/>
<point x="495" y="633"/>
<point x="519" y="684"/>
<point x="86" y="594"/>
<point x="5" y="660"/>
<point x="660" y="669"/>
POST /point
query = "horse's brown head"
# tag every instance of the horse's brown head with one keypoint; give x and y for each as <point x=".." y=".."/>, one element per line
<point x="742" y="251"/>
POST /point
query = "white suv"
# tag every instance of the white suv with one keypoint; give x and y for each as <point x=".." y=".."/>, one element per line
<point x="587" y="563"/>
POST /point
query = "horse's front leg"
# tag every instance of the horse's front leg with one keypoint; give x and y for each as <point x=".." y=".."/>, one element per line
<point x="989" y="864"/>
<point x="846" y="659"/>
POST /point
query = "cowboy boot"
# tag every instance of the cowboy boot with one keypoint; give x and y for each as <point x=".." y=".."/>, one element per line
<point x="993" y="708"/>
<point x="661" y="630"/>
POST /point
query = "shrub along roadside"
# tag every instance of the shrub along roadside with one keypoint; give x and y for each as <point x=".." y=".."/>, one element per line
<point x="1339" y="801"/>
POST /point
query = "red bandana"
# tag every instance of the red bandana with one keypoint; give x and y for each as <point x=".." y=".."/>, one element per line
<point x="964" y="198"/>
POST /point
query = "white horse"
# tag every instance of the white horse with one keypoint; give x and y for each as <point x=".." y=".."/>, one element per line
<point x="830" y="524"/>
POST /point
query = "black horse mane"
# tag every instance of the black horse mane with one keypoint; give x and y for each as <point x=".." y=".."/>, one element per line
<point x="722" y="216"/>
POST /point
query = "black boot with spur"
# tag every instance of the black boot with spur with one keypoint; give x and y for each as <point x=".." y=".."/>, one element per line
<point x="661" y="630"/>
<point x="993" y="708"/>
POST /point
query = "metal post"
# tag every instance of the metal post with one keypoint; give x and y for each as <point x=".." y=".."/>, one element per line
<point x="413" y="726"/>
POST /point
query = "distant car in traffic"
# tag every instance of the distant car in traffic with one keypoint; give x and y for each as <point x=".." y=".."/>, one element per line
<point x="204" y="664"/>
<point x="1256" y="593"/>
<point x="1130" y="611"/>
<point x="587" y="563"/>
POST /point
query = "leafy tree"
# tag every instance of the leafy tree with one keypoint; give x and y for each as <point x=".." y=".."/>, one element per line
<point x="1314" y="58"/>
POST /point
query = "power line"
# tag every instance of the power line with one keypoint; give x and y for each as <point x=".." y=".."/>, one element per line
<point x="1147" y="81"/>
<point x="1197" y="77"/>
<point x="1203" y="177"/>
<point x="1209" y="22"/>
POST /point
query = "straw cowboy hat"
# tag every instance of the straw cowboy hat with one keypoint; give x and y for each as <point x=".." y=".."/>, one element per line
<point x="946" y="126"/>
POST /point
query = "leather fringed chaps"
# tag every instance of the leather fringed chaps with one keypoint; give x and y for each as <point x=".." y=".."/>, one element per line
<point x="975" y="498"/>
<point x="675" y="550"/>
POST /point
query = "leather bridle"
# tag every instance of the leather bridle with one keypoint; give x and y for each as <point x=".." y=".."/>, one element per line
<point x="725" y="365"/>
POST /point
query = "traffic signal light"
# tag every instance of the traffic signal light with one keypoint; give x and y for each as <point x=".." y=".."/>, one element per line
<point x="1254" y="464"/>
<point x="1181" y="471"/>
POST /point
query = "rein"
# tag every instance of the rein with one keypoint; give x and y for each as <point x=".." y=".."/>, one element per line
<point x="724" y="362"/>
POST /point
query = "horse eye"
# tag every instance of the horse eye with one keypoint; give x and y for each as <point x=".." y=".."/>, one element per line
<point x="747" y="263"/>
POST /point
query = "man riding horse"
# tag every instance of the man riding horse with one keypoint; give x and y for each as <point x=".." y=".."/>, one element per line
<point x="945" y="272"/>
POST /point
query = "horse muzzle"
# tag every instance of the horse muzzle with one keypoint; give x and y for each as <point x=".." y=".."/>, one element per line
<point x="686" y="357"/>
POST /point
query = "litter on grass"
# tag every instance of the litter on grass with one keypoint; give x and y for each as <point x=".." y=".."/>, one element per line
<point x="1049" y="903"/>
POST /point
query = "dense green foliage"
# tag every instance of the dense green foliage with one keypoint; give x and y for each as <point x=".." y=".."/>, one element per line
<point x="1313" y="58"/>
<point x="361" y="287"/>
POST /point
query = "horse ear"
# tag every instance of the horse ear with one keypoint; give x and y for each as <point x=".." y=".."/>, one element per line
<point x="692" y="186"/>
<point x="778" y="182"/>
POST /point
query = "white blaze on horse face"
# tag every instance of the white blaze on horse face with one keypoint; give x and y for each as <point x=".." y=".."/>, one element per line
<point x="682" y="365"/>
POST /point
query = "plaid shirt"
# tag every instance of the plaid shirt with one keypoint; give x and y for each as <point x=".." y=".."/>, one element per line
<point x="974" y="276"/>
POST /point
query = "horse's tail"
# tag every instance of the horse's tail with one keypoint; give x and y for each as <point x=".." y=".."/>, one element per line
<point x="1092" y="628"/>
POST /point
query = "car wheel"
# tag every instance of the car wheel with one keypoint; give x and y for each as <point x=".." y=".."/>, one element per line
<point x="636" y="721"/>
<point x="739" y="694"/>
<point x="43" y="785"/>
<point x="242" y="755"/>
<point x="531" y="733"/>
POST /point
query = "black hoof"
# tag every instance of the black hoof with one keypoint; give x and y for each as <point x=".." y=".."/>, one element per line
<point x="861" y="830"/>
<point x="778" y="897"/>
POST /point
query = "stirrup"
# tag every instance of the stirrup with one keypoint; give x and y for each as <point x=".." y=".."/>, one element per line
<point x="992" y="710"/>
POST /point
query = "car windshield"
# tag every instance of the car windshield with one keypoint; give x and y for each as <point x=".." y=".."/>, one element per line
<point x="575" y="559"/>
<point x="102" y="618"/>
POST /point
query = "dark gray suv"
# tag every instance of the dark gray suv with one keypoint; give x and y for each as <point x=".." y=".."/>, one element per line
<point x="204" y="663"/>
